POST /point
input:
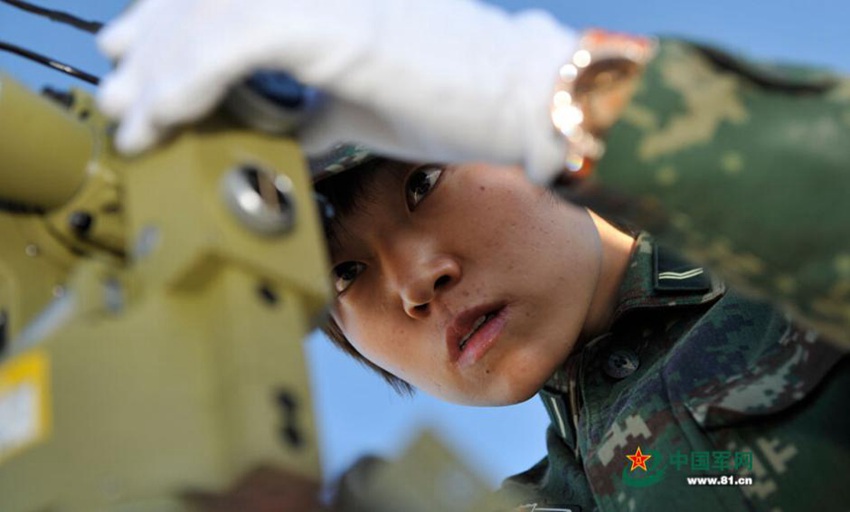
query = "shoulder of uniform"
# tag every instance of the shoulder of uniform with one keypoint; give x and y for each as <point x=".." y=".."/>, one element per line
<point x="672" y="274"/>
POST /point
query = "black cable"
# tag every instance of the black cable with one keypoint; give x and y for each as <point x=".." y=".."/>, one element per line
<point x="47" y="61"/>
<point x="58" y="16"/>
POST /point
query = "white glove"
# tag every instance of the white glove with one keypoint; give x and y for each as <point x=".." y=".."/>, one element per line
<point x="432" y="80"/>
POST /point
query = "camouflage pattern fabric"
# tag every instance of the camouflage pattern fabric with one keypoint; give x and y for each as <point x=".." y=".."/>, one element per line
<point x="339" y="158"/>
<point x="708" y="383"/>
<point x="745" y="168"/>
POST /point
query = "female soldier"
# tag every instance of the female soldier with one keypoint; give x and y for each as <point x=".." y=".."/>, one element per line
<point x="478" y="287"/>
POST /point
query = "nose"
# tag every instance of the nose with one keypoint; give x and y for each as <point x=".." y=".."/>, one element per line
<point x="421" y="275"/>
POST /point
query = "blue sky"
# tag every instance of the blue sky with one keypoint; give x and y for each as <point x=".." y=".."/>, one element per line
<point x="357" y="411"/>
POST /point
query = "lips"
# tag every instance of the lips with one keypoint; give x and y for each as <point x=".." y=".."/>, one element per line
<point x="473" y="331"/>
<point x="478" y="323"/>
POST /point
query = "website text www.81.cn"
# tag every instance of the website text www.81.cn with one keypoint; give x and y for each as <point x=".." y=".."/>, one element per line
<point x="720" y="480"/>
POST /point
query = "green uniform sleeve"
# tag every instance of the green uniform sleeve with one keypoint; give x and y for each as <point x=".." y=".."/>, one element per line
<point x="745" y="168"/>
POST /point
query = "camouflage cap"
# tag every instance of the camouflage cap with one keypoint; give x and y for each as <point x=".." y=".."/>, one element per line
<point x="340" y="158"/>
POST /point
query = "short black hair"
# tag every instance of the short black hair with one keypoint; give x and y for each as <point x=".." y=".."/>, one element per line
<point x="344" y="193"/>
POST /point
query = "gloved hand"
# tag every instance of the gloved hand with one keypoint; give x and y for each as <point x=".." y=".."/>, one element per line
<point x="426" y="80"/>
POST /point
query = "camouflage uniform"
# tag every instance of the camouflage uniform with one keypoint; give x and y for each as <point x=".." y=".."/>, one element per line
<point x="743" y="167"/>
<point x="708" y="382"/>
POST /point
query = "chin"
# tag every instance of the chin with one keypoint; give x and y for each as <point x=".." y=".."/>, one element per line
<point x="521" y="393"/>
<point x="506" y="392"/>
<point x="524" y="374"/>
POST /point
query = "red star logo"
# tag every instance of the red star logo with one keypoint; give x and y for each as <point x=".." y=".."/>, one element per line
<point x="638" y="460"/>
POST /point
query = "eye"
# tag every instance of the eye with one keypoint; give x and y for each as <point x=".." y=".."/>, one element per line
<point x="345" y="273"/>
<point x="420" y="183"/>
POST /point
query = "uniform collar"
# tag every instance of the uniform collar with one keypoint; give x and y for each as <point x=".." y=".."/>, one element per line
<point x="658" y="277"/>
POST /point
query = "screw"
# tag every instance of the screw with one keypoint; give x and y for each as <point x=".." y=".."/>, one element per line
<point x="290" y="432"/>
<point x="81" y="222"/>
<point x="267" y="294"/>
<point x="63" y="98"/>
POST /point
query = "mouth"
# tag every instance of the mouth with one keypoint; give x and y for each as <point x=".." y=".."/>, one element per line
<point x="475" y="326"/>
<point x="474" y="331"/>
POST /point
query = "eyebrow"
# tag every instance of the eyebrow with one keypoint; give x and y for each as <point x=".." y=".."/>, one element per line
<point x="333" y="237"/>
<point x="338" y="235"/>
<point x="350" y="202"/>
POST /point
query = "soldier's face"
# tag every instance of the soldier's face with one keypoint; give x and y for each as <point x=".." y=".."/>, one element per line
<point x="466" y="281"/>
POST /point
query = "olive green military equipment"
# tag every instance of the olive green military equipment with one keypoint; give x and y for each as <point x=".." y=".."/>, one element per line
<point x="427" y="477"/>
<point x="153" y="311"/>
<point x="151" y="318"/>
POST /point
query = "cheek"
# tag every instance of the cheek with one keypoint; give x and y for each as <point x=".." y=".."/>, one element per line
<point x="523" y="226"/>
<point x="489" y="217"/>
<point x="378" y="338"/>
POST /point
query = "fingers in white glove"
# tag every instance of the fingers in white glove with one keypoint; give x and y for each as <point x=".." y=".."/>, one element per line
<point x="187" y="96"/>
<point x="118" y="36"/>
<point x="123" y="40"/>
<point x="136" y="133"/>
<point x="146" y="117"/>
<point x="117" y="94"/>
<point x="154" y="89"/>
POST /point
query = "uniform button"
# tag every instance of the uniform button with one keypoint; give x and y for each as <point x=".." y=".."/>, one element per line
<point x="621" y="364"/>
